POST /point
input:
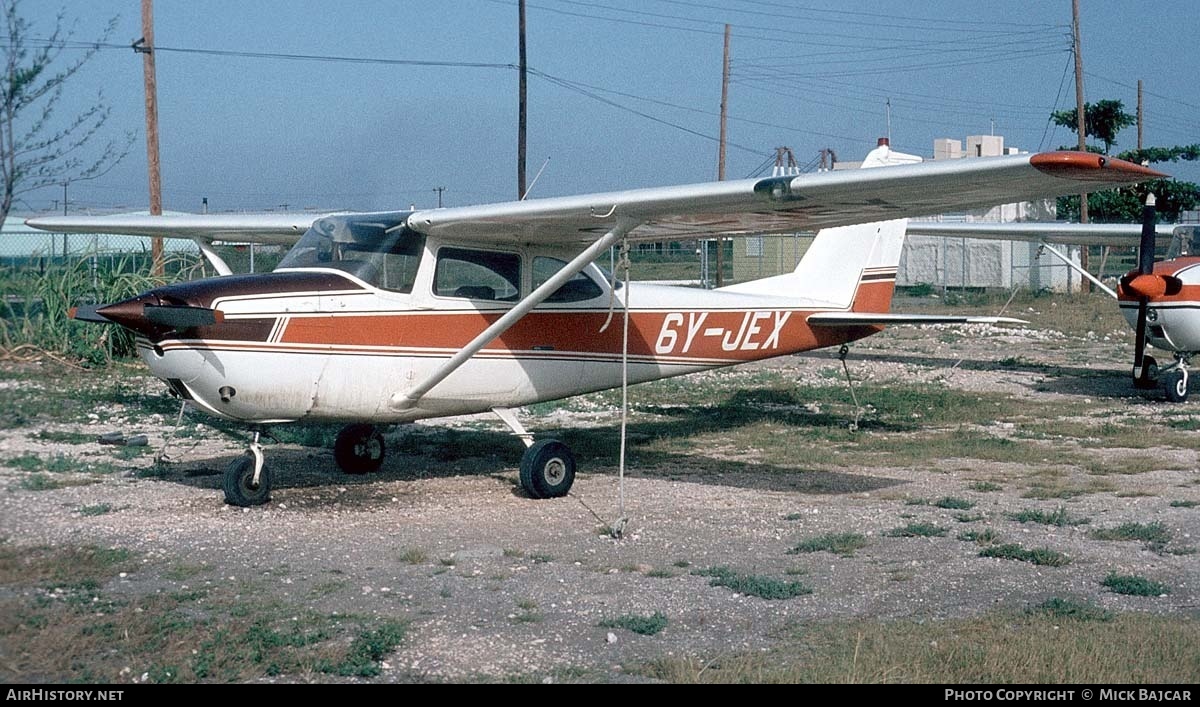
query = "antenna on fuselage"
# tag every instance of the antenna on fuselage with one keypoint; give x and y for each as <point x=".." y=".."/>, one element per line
<point x="535" y="178"/>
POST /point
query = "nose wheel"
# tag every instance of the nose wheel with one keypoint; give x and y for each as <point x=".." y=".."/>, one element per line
<point x="1175" y="382"/>
<point x="247" y="480"/>
<point x="359" y="449"/>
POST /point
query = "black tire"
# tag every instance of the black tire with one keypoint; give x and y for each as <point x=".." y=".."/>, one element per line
<point x="547" y="469"/>
<point x="1175" y="384"/>
<point x="359" y="449"/>
<point x="1146" y="378"/>
<point x="239" y="487"/>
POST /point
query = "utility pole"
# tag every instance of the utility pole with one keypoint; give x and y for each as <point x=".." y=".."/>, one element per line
<point x="521" y="103"/>
<point x="1140" y="115"/>
<point x="721" y="149"/>
<point x="439" y="191"/>
<point x="1081" y="127"/>
<point x="145" y="47"/>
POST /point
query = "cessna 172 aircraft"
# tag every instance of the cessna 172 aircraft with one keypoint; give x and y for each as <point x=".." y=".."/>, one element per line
<point x="378" y="318"/>
<point x="1161" y="301"/>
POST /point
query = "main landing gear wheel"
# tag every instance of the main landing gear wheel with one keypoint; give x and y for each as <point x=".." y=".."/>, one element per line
<point x="1175" y="384"/>
<point x="1146" y="378"/>
<point x="240" y="486"/>
<point x="359" y="449"/>
<point x="547" y="469"/>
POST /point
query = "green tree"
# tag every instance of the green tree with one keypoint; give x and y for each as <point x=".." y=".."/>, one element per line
<point x="1104" y="120"/>
<point x="1124" y="205"/>
<point x="37" y="148"/>
<point x="1101" y="120"/>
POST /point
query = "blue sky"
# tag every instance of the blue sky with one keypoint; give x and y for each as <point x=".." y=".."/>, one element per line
<point x="627" y="95"/>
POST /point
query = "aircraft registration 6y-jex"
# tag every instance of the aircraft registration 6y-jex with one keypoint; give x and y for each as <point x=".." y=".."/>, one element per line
<point x="379" y="318"/>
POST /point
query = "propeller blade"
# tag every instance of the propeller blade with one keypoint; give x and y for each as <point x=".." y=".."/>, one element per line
<point x="1146" y="248"/>
<point x="1145" y="267"/>
<point x="87" y="313"/>
<point x="1139" y="346"/>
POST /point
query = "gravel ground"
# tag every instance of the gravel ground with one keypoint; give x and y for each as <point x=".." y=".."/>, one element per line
<point x="495" y="584"/>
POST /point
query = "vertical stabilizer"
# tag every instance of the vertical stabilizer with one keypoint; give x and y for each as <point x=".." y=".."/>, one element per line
<point x="849" y="267"/>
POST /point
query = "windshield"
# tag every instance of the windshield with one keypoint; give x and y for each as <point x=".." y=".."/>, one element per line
<point x="376" y="248"/>
<point x="1184" y="241"/>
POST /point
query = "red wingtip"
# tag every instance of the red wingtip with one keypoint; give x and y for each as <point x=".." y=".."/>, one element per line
<point x="71" y="312"/>
<point x="1089" y="166"/>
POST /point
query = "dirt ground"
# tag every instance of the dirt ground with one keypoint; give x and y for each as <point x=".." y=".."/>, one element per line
<point x="494" y="584"/>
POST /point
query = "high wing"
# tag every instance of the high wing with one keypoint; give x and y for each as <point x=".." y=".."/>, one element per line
<point x="278" y="229"/>
<point x="1099" y="234"/>
<point x="807" y="202"/>
<point x="784" y="204"/>
<point x="269" y="229"/>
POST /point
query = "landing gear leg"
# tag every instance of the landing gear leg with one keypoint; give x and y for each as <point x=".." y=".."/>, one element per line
<point x="247" y="479"/>
<point x="547" y="467"/>
<point x="1175" y="382"/>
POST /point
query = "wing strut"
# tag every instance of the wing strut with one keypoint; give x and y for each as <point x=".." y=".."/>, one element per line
<point x="1071" y="264"/>
<point x="406" y="400"/>
<point x="217" y="261"/>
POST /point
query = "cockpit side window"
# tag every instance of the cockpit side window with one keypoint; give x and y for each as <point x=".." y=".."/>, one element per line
<point x="1185" y="241"/>
<point x="382" y="253"/>
<point x="577" y="289"/>
<point x="477" y="274"/>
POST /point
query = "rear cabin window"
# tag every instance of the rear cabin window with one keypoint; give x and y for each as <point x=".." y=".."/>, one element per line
<point x="577" y="289"/>
<point x="477" y="274"/>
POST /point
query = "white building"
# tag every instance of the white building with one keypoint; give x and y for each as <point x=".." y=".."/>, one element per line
<point x="962" y="262"/>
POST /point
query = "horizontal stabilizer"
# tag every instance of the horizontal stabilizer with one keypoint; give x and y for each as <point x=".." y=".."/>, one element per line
<point x="834" y="319"/>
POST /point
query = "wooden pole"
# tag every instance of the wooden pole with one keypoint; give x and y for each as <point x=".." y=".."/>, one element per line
<point x="521" y="101"/>
<point x="152" y="162"/>
<point x="1081" y="126"/>
<point x="1140" y="115"/>
<point x="721" y="149"/>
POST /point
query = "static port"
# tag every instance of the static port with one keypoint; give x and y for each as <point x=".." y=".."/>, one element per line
<point x="226" y="393"/>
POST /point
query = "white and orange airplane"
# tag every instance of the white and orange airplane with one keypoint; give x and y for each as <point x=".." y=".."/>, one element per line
<point x="380" y="318"/>
<point x="1160" y="300"/>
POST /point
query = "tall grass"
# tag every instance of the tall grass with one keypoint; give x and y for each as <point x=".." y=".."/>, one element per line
<point x="1041" y="647"/>
<point x="35" y="306"/>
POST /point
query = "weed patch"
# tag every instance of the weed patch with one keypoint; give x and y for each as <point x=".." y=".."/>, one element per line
<point x="843" y="544"/>
<point x="1038" y="556"/>
<point x="1074" y="609"/>
<point x="1134" y="585"/>
<point x="753" y="585"/>
<point x="1154" y="535"/>
<point x="980" y="537"/>
<point x="641" y="625"/>
<point x="916" y="530"/>
<point x="1058" y="517"/>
